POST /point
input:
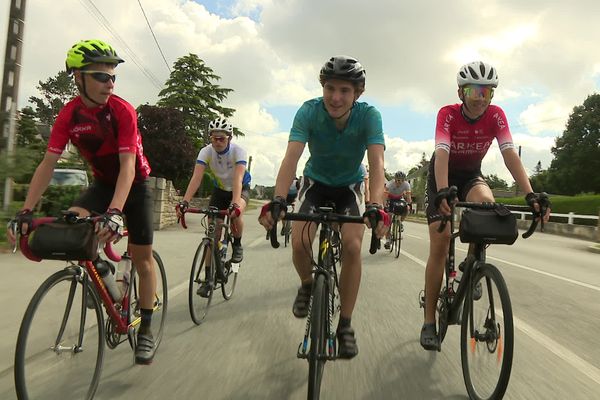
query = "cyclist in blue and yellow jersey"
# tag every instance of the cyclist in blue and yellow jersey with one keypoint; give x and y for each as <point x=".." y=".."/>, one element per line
<point x="103" y="127"/>
<point x="227" y="161"/>
<point x="463" y="135"/>
<point x="338" y="131"/>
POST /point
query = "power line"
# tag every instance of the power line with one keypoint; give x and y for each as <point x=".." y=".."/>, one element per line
<point x="97" y="14"/>
<point x="154" y="36"/>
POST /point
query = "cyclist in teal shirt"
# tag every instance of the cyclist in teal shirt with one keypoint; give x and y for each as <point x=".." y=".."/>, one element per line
<point x="338" y="131"/>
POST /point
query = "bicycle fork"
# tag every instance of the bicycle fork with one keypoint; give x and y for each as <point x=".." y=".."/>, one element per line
<point x="331" y="345"/>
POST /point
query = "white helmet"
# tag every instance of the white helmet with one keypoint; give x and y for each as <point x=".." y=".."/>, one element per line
<point x="478" y="73"/>
<point x="220" y="124"/>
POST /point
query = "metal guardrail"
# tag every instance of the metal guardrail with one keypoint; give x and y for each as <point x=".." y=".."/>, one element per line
<point x="570" y="216"/>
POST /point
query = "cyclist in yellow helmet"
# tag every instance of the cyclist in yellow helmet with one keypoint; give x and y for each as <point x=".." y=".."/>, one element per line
<point x="104" y="129"/>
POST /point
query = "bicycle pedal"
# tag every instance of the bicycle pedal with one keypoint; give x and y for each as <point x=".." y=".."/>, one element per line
<point x="235" y="267"/>
<point x="422" y="299"/>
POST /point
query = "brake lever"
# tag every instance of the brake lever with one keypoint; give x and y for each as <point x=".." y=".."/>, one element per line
<point x="13" y="228"/>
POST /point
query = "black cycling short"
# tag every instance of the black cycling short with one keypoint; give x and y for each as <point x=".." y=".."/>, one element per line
<point x="222" y="199"/>
<point x="138" y="208"/>
<point x="463" y="180"/>
<point x="349" y="200"/>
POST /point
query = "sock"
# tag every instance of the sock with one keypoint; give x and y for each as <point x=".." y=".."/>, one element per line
<point x="344" y="322"/>
<point x="237" y="241"/>
<point x="146" y="315"/>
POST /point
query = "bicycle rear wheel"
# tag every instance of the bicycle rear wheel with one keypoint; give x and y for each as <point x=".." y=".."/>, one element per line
<point x="60" y="347"/>
<point x="487" y="336"/>
<point x="231" y="273"/>
<point x="318" y="337"/>
<point x="201" y="273"/>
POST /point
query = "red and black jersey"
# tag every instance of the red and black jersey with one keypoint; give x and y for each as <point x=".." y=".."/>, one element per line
<point x="100" y="134"/>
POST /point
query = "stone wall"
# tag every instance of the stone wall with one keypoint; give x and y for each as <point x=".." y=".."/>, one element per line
<point x="165" y="199"/>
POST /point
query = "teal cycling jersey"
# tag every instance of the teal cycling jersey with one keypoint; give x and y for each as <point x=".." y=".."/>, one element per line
<point x="336" y="156"/>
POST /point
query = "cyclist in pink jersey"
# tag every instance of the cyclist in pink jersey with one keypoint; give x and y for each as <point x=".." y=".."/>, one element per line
<point x="103" y="127"/>
<point x="464" y="133"/>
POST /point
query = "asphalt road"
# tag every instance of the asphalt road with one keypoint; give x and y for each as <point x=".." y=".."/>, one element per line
<point x="247" y="347"/>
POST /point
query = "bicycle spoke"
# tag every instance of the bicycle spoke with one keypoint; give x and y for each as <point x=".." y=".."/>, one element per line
<point x="487" y="337"/>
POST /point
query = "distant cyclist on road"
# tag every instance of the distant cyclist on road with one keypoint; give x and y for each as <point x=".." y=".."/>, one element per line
<point x="104" y="129"/>
<point x="463" y="135"/>
<point x="338" y="131"/>
<point x="227" y="161"/>
<point x="397" y="189"/>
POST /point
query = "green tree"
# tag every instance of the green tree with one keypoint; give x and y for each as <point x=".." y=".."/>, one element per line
<point x="191" y="90"/>
<point x="495" y="182"/>
<point x="55" y="93"/>
<point x="170" y="152"/>
<point x="577" y="151"/>
<point x="30" y="147"/>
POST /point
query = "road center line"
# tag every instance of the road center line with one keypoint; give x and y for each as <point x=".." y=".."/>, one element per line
<point x="562" y="352"/>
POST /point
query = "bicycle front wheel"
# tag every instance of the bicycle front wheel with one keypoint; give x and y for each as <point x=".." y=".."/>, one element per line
<point x="287" y="232"/>
<point x="316" y="355"/>
<point x="228" y="285"/>
<point x="60" y="346"/>
<point x="398" y="236"/>
<point x="201" y="275"/>
<point x="487" y="336"/>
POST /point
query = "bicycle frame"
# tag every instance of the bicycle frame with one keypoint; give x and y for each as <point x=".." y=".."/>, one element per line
<point x="454" y="300"/>
<point x="210" y="231"/>
<point x="116" y="310"/>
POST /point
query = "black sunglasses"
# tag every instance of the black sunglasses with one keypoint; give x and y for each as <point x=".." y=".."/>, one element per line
<point x="101" y="76"/>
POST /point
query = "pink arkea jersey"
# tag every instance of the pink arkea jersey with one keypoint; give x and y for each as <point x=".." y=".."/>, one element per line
<point x="466" y="142"/>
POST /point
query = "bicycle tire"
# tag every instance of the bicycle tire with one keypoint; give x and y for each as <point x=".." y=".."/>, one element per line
<point x="398" y="241"/>
<point x="392" y="237"/>
<point x="161" y="300"/>
<point x="228" y="287"/>
<point x="316" y="360"/>
<point x="199" y="305"/>
<point x="496" y="343"/>
<point x="44" y="370"/>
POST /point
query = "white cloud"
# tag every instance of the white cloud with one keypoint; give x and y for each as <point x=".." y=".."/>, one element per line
<point x="548" y="115"/>
<point x="270" y="52"/>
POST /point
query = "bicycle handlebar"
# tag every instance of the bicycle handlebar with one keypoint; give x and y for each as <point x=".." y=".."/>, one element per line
<point x="210" y="211"/>
<point x="537" y="215"/>
<point x="320" y="217"/>
<point x="23" y="240"/>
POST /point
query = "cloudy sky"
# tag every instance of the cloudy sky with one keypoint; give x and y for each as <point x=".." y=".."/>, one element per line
<point x="270" y="51"/>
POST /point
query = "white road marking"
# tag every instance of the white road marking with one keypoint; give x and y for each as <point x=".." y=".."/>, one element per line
<point x="551" y="275"/>
<point x="559" y="350"/>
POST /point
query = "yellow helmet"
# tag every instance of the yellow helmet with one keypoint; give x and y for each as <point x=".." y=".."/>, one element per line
<point x="88" y="52"/>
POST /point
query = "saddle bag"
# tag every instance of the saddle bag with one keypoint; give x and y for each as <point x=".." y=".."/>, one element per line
<point x="497" y="226"/>
<point x="64" y="241"/>
<point x="399" y="207"/>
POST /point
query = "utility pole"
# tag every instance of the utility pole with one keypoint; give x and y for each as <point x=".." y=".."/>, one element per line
<point x="249" y="163"/>
<point x="10" y="86"/>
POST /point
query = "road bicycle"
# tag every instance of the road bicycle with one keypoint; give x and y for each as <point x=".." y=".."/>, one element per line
<point x="397" y="208"/>
<point x="60" y="346"/>
<point x="479" y="300"/>
<point x="210" y="266"/>
<point x="319" y="343"/>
